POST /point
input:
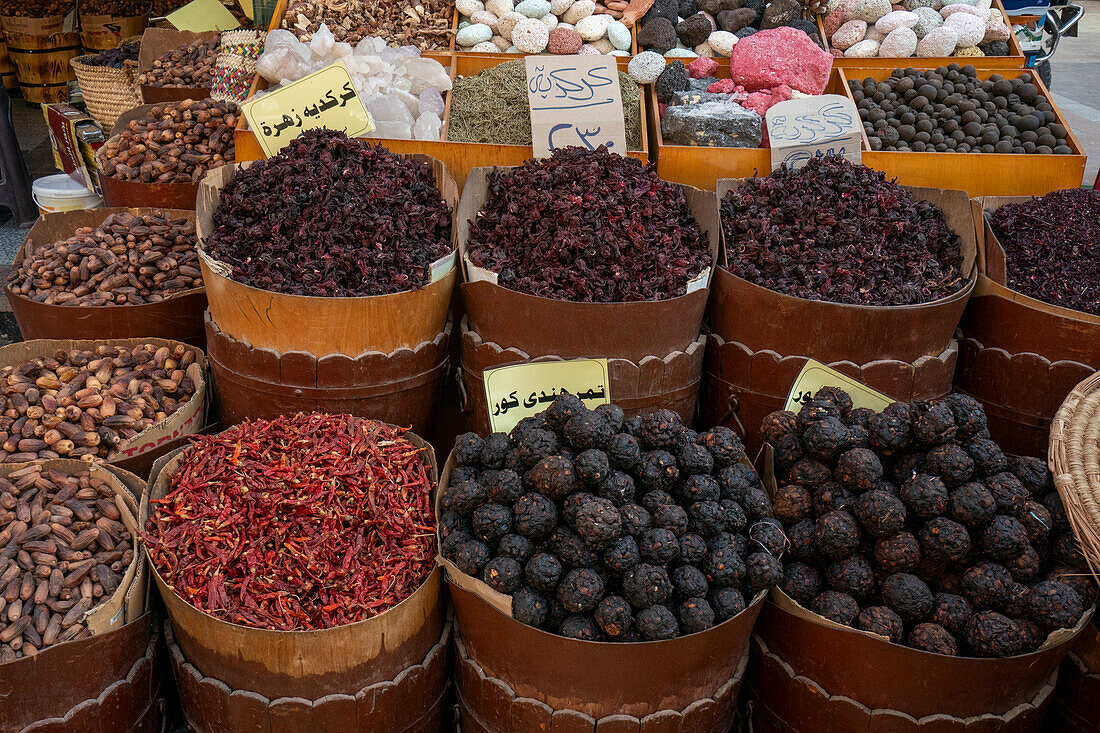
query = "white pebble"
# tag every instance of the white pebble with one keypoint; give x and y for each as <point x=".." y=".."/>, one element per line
<point x="722" y="42"/>
<point x="507" y="22"/>
<point x="900" y="42"/>
<point x="929" y="19"/>
<point x="485" y="47"/>
<point x="896" y="19"/>
<point x="558" y="7"/>
<point x="473" y="34"/>
<point x="469" y="7"/>
<point x="530" y="35"/>
<point x="849" y="34"/>
<point x="588" y="50"/>
<point x="680" y="53"/>
<point x="619" y="53"/>
<point x="550" y="21"/>
<point x="594" y="27"/>
<point x="970" y="29"/>
<point x="533" y="8"/>
<point x="603" y="45"/>
<point x="619" y="35"/>
<point x="501" y="43"/>
<point x="499" y="7"/>
<point x="938" y="42"/>
<point x="704" y="49"/>
<point x="645" y="67"/>
<point x="579" y="10"/>
<point x="484" y="17"/>
<point x="863" y="50"/>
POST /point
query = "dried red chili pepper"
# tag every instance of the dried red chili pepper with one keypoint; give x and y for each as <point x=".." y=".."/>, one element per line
<point x="304" y="522"/>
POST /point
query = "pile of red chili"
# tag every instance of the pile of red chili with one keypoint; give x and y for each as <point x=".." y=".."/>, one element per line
<point x="298" y="523"/>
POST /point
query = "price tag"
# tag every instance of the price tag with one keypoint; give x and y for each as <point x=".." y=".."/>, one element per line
<point x="575" y="100"/>
<point x="799" y="129"/>
<point x="203" y="15"/>
<point x="516" y="391"/>
<point x="816" y="375"/>
<point x="325" y="98"/>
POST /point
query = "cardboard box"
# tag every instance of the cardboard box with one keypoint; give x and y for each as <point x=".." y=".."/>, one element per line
<point x="74" y="136"/>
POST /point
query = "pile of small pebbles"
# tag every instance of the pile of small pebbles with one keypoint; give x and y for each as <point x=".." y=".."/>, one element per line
<point x="710" y="28"/>
<point x="923" y="28"/>
<point x="543" y="26"/>
<point x="949" y="109"/>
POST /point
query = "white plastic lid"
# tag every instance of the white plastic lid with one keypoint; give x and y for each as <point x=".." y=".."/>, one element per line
<point x="60" y="186"/>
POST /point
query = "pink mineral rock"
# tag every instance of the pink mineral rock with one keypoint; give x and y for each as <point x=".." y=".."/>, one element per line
<point x="702" y="67"/>
<point x="780" y="56"/>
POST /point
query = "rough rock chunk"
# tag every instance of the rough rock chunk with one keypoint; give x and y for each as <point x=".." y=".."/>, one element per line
<point x="780" y="56"/>
<point x="715" y="124"/>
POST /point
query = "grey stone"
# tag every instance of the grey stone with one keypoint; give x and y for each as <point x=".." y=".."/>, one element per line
<point x="700" y="85"/>
<point x="673" y="79"/>
<point x="690" y="96"/>
<point x="780" y="12"/>
<point x="723" y="124"/>
<point x="657" y="35"/>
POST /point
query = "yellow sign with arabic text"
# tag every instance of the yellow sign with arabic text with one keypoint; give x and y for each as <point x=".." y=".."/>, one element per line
<point x="816" y="375"/>
<point x="516" y="391"/>
<point x="200" y="16"/>
<point x="325" y="98"/>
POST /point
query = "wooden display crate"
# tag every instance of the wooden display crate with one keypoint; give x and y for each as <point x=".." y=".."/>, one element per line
<point x="459" y="157"/>
<point x="703" y="166"/>
<point x="979" y="174"/>
<point x="1015" y="58"/>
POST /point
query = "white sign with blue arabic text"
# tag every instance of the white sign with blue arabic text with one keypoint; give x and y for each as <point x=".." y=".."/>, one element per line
<point x="799" y="129"/>
<point x="575" y="101"/>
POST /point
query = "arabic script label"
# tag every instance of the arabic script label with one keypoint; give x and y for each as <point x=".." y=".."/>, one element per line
<point x="516" y="391"/>
<point x="325" y="98"/>
<point x="816" y="375"/>
<point x="827" y="124"/>
<point x="575" y="100"/>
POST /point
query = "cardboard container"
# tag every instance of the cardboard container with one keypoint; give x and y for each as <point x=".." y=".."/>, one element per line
<point x="156" y="41"/>
<point x="703" y="167"/>
<point x="57" y="680"/>
<point x="177" y="317"/>
<point x="103" y="32"/>
<point x="117" y="192"/>
<point x="741" y="386"/>
<point x="979" y="174"/>
<point x="460" y="158"/>
<point x="138" y="453"/>
<point x="761" y="318"/>
<point x="1020" y="356"/>
<point x="42" y="64"/>
<point x="514" y="677"/>
<point x="351" y="325"/>
<point x="340" y="661"/>
<point x="670" y="381"/>
<point x="1014" y="59"/>
<point x="107" y="682"/>
<point x="401" y="387"/>
<point x="800" y="682"/>
<point x="541" y="326"/>
<point x="211" y="706"/>
<point x="1076" y="705"/>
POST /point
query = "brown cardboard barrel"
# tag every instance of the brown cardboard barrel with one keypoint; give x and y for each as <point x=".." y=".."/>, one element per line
<point x="148" y="195"/>
<point x="808" y="674"/>
<point x="155" y="95"/>
<point x="103" y="32"/>
<point x="1020" y="356"/>
<point x="42" y="64"/>
<point x="106" y="682"/>
<point x="138" y="453"/>
<point x="401" y="388"/>
<point x="344" y="325"/>
<point x="178" y="318"/>
<point x="1076" y="705"/>
<point x="542" y="326"/>
<point x="763" y="319"/>
<point x="306" y="665"/>
<point x="415" y="701"/>
<point x="668" y="381"/>
<point x="740" y="386"/>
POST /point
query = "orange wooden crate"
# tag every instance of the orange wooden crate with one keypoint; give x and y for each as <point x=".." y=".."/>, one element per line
<point x="1015" y="56"/>
<point x="979" y="174"/>
<point x="459" y="158"/>
<point x="702" y="166"/>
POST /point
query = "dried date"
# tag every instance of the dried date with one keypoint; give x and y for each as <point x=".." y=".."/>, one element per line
<point x="187" y="66"/>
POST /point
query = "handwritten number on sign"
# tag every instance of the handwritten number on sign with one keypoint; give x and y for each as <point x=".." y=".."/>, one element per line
<point x="575" y="102"/>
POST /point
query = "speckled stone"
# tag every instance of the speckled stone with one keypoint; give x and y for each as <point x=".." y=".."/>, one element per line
<point x="594" y="27"/>
<point x="735" y="20"/>
<point x="996" y="30"/>
<point x="602" y="45"/>
<point x="950" y="10"/>
<point x="579" y="10"/>
<point x="533" y="8"/>
<point x="874" y="34"/>
<point x="701" y="68"/>
<point x="619" y="35"/>
<point x="722" y="42"/>
<point x="680" y="53"/>
<point x="863" y="50"/>
<point x="646" y="67"/>
<point x="839" y="16"/>
<point x="927" y="20"/>
<point x="558" y="7"/>
<point x="530" y="35"/>
<point x="713" y="124"/>
<point x="970" y="29"/>
<point x="912" y="5"/>
<point x="704" y="50"/>
<point x="938" y="42"/>
<point x="485" y="18"/>
<point x="501" y="43"/>
<point x="550" y="21"/>
<point x="969" y="51"/>
<point x="564" y="41"/>
<point x="871" y="10"/>
<point x="485" y="47"/>
<point x="469" y="7"/>
<point x="588" y="50"/>
<point x="896" y="19"/>
<point x="507" y="22"/>
<point x="849" y="34"/>
<point x="499" y="7"/>
<point x="899" y="43"/>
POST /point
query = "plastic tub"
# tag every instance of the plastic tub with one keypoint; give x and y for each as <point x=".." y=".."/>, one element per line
<point x="61" y="192"/>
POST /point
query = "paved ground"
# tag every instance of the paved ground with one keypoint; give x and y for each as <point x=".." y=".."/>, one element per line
<point x="1075" y="84"/>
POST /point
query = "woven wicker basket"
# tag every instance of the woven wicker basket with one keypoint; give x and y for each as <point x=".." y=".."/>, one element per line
<point x="1075" y="462"/>
<point x="108" y="92"/>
